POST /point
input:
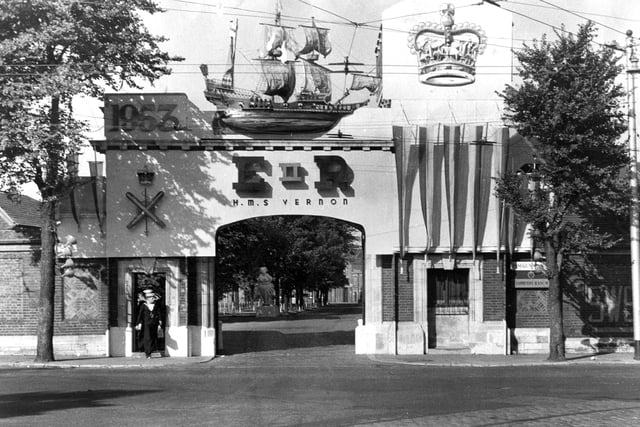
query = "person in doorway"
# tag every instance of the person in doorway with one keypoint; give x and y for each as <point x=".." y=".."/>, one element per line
<point x="149" y="322"/>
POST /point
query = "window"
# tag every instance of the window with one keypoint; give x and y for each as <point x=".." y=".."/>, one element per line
<point x="448" y="291"/>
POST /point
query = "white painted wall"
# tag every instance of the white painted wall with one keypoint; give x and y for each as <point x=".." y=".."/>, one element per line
<point x="199" y="198"/>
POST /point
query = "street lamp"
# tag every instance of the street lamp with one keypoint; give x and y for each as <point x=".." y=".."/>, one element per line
<point x="632" y="69"/>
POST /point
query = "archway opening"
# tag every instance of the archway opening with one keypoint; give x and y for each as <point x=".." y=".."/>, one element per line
<point x="289" y="281"/>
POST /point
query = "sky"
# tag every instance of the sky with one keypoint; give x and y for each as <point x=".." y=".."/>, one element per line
<point x="198" y="30"/>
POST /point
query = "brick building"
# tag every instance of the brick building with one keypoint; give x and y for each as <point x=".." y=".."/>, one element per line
<point x="19" y="269"/>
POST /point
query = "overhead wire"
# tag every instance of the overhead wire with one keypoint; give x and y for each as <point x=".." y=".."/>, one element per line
<point x="346" y="21"/>
<point x="554" y="27"/>
<point x="582" y="17"/>
<point x="600" y="15"/>
<point x="328" y="11"/>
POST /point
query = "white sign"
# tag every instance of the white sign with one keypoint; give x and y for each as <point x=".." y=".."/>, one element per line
<point x="531" y="283"/>
<point x="527" y="266"/>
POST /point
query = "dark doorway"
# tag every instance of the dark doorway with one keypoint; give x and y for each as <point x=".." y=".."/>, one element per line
<point x="157" y="285"/>
<point x="447" y="294"/>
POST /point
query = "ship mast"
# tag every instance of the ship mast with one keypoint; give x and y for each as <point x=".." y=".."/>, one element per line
<point x="229" y="77"/>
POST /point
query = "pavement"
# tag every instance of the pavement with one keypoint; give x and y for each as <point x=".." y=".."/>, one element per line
<point x="431" y="359"/>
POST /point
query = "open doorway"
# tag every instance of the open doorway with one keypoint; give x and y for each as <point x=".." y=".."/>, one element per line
<point x="313" y="268"/>
<point x="154" y="283"/>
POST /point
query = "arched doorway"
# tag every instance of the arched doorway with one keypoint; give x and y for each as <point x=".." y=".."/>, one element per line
<point x="314" y="268"/>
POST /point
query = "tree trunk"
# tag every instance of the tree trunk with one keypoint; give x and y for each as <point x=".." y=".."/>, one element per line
<point x="556" y="328"/>
<point x="44" y="350"/>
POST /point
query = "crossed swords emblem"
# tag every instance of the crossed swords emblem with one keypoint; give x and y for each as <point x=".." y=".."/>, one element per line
<point x="145" y="210"/>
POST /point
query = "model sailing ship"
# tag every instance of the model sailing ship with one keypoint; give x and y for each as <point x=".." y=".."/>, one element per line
<point x="273" y="107"/>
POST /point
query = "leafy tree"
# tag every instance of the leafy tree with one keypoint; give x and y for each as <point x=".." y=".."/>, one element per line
<point x="324" y="251"/>
<point x="246" y="246"/>
<point x="568" y="106"/>
<point x="232" y="244"/>
<point x="300" y="252"/>
<point x="50" y="52"/>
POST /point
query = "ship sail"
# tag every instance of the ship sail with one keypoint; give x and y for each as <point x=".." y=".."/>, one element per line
<point x="279" y="78"/>
<point x="372" y="83"/>
<point x="364" y="81"/>
<point x="317" y="40"/>
<point x="317" y="81"/>
<point x="279" y="43"/>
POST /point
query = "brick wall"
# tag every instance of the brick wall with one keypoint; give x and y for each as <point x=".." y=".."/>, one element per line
<point x="19" y="293"/>
<point x="397" y="289"/>
<point x="405" y="291"/>
<point x="82" y="301"/>
<point x="86" y="301"/>
<point x="388" y="288"/>
<point x="493" y="291"/>
<point x="597" y="297"/>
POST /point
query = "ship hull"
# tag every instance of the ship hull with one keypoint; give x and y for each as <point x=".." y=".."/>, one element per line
<point x="283" y="122"/>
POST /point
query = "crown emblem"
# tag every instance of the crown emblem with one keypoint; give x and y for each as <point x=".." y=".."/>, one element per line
<point x="447" y="52"/>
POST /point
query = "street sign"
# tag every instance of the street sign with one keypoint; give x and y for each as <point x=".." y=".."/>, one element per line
<point x="531" y="283"/>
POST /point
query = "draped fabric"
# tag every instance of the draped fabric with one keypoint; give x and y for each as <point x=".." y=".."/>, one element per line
<point x="431" y="186"/>
<point x="406" y="167"/>
<point x="513" y="153"/>
<point x="74" y="207"/>
<point x="456" y="166"/>
<point x="481" y="154"/>
<point x="456" y="169"/>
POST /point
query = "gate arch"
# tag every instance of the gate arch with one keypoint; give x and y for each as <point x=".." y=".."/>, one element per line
<point x="288" y="281"/>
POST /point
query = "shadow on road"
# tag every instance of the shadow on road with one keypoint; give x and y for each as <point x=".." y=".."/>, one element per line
<point x="326" y="326"/>
<point x="39" y="403"/>
<point x="236" y="342"/>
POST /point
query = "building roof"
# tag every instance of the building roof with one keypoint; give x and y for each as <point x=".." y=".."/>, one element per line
<point x="24" y="212"/>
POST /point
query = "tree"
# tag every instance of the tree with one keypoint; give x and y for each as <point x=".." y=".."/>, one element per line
<point x="568" y="106"/>
<point x="50" y="52"/>
<point x="323" y="250"/>
<point x="301" y="252"/>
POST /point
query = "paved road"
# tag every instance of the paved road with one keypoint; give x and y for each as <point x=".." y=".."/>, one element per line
<point x="274" y="375"/>
<point x="329" y="326"/>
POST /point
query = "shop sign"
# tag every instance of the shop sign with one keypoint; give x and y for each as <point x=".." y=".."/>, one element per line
<point x="531" y="283"/>
<point x="527" y="266"/>
<point x="531" y="280"/>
